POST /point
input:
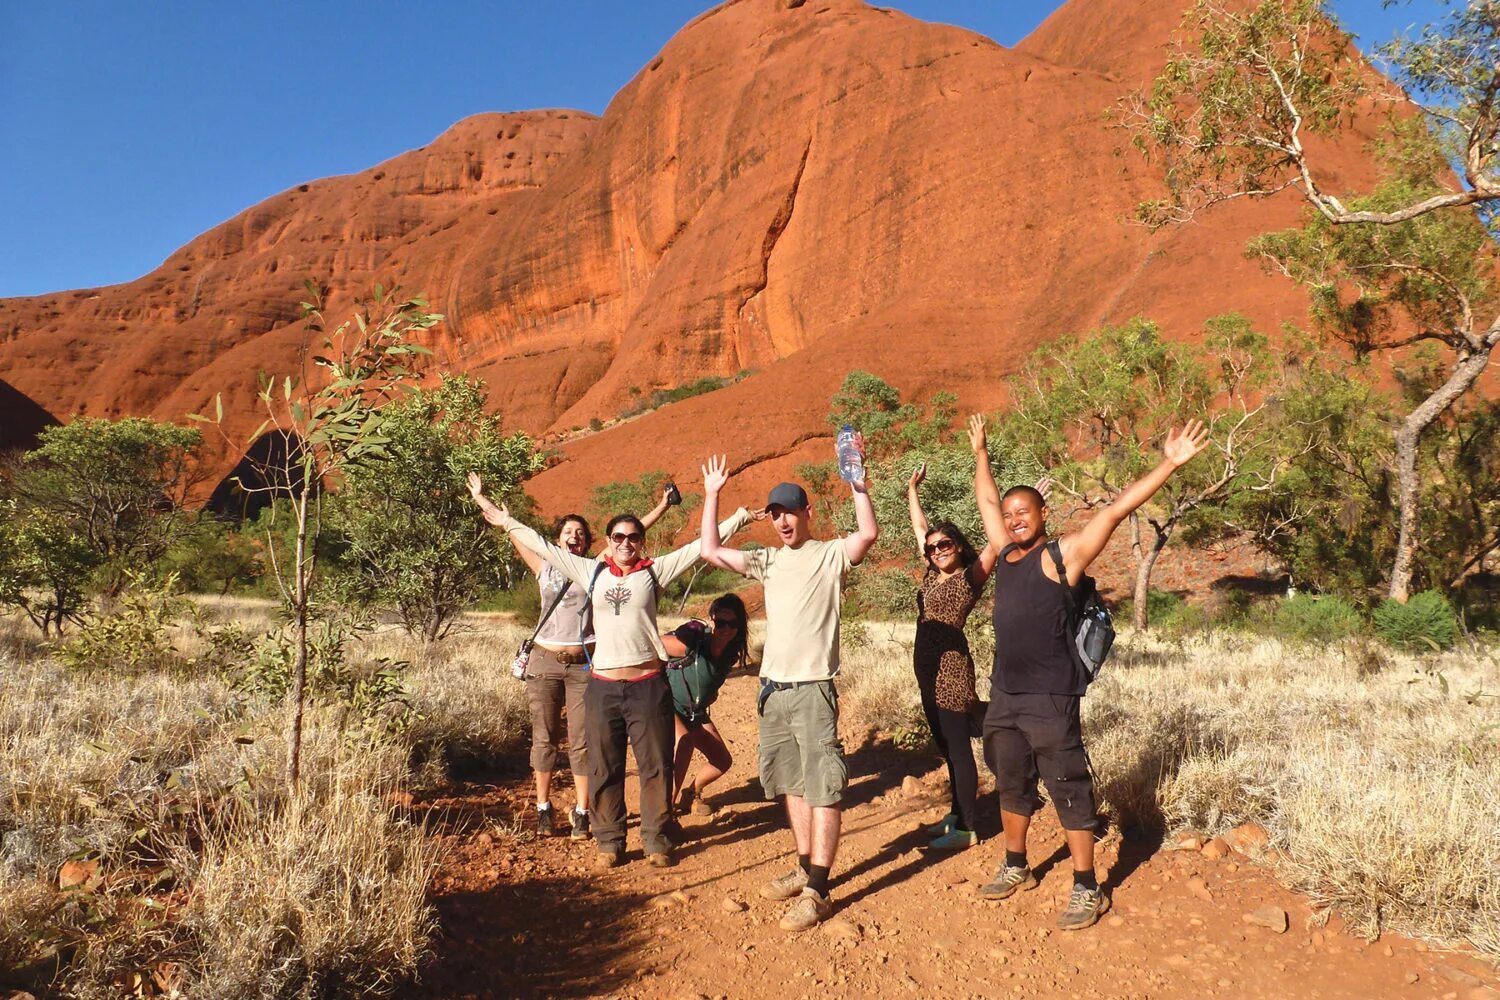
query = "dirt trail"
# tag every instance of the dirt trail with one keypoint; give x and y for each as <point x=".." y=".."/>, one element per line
<point x="525" y="917"/>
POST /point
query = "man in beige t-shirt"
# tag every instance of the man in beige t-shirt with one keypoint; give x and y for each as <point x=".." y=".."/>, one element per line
<point x="801" y="758"/>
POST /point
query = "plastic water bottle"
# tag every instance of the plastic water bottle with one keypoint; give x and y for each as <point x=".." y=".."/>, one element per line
<point x="851" y="462"/>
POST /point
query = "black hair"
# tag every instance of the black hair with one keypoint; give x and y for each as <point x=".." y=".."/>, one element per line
<point x="966" y="554"/>
<point x="739" y="646"/>
<point x="588" y="533"/>
<point x="619" y="519"/>
<point x="1030" y="492"/>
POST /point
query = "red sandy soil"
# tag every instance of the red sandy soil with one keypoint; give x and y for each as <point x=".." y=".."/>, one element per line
<point x="523" y="917"/>
<point x="800" y="189"/>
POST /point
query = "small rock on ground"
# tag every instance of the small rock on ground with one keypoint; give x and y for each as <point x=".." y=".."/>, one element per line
<point x="1248" y="838"/>
<point x="1199" y="888"/>
<point x="1215" y="849"/>
<point x="1270" y="917"/>
<point x="732" y="905"/>
<point x="841" y="928"/>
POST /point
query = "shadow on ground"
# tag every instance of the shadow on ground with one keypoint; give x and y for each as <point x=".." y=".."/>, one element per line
<point x="545" y="937"/>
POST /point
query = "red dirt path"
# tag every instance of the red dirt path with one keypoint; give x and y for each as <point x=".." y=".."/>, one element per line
<point x="523" y="917"/>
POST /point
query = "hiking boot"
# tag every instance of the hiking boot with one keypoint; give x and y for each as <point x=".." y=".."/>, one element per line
<point x="544" y="820"/>
<point x="660" y="859"/>
<point x="788" y="886"/>
<point x="942" y="826"/>
<point x="807" y="912"/>
<point x="1085" y="907"/>
<point x="954" y="840"/>
<point x="1008" y="880"/>
<point x="580" y="830"/>
<point x="609" y="857"/>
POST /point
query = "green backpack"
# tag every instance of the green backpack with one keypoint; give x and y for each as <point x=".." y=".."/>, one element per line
<point x="694" y="679"/>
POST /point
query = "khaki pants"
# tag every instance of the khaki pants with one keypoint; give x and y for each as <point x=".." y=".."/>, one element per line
<point x="552" y="686"/>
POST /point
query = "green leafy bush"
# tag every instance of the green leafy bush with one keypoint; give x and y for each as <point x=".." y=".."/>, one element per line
<point x="1316" y="618"/>
<point x="134" y="635"/>
<point x="1425" y="622"/>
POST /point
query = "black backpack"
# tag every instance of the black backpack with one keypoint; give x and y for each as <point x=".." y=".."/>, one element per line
<point x="1088" y="619"/>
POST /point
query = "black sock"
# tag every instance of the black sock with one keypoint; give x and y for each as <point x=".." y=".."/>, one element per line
<point x="817" y="879"/>
<point x="804" y="861"/>
<point x="1015" y="859"/>
<point x="1086" y="880"/>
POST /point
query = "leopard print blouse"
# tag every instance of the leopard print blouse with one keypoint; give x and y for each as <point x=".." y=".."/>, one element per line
<point x="942" y="661"/>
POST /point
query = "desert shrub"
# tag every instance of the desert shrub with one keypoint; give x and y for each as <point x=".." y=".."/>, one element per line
<point x="1168" y="612"/>
<point x="1425" y="622"/>
<point x="134" y="635"/>
<point x="1316" y="618"/>
<point x="212" y="557"/>
<point x="881" y="594"/>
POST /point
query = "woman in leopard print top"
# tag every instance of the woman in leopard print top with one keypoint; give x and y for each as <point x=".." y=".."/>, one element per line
<point x="945" y="671"/>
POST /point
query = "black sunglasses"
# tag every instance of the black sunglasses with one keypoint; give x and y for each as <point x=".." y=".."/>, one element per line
<point x="946" y="545"/>
<point x="726" y="622"/>
<point x="621" y="537"/>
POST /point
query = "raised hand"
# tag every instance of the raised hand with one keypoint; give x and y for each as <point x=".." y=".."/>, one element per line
<point x="492" y="514"/>
<point x="917" y="476"/>
<point x="1044" y="487"/>
<point x="1185" y="442"/>
<point x="715" y="473"/>
<point x="759" y="514"/>
<point x="977" y="440"/>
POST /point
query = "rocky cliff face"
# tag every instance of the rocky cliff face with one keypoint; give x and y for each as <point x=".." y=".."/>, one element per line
<point x="798" y="190"/>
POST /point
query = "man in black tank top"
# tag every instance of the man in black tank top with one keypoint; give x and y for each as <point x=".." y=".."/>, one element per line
<point x="1032" y="729"/>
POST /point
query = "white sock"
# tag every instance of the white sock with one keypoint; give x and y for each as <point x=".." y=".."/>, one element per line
<point x="543" y="806"/>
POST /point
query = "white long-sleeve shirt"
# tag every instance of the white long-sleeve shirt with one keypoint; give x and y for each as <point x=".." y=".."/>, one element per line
<point x="624" y="604"/>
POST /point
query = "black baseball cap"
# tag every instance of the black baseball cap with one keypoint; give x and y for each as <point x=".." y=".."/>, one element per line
<point x="788" y="495"/>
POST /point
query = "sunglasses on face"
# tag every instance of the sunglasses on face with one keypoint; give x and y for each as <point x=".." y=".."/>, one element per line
<point x="621" y="537"/>
<point x="946" y="545"/>
<point x="726" y="623"/>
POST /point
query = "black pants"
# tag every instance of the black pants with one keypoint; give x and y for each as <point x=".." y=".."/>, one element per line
<point x="640" y="711"/>
<point x="1027" y="736"/>
<point x="950" y="731"/>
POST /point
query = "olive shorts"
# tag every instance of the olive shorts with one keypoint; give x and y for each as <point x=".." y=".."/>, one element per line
<point x="800" y="752"/>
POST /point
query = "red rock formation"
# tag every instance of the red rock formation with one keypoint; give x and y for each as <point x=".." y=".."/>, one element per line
<point x="796" y="189"/>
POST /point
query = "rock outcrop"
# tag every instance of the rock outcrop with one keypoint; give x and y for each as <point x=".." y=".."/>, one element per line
<point x="798" y="189"/>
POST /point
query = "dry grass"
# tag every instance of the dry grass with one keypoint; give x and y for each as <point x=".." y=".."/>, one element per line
<point x="1380" y="789"/>
<point x="212" y="880"/>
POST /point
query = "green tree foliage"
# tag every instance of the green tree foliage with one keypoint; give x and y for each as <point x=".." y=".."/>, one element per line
<point x="414" y="540"/>
<point x="1423" y="624"/>
<point x="638" y="497"/>
<point x="1411" y="262"/>
<point x="119" y="485"/>
<point x="1090" y="410"/>
<point x="214" y="557"/>
<point x="1329" y="521"/>
<point x="45" y="567"/>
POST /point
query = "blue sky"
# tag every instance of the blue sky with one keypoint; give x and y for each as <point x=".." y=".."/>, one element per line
<point x="127" y="127"/>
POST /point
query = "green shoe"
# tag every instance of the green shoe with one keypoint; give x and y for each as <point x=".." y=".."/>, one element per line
<point x="942" y="826"/>
<point x="954" y="840"/>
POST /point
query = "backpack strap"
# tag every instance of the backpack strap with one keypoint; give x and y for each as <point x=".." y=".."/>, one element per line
<point x="550" y="608"/>
<point x="1055" y="551"/>
<point x="588" y="603"/>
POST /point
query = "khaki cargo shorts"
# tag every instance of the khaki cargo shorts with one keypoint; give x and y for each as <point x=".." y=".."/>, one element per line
<point x="800" y="752"/>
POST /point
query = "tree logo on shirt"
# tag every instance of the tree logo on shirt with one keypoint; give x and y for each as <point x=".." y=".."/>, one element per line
<point x="618" y="596"/>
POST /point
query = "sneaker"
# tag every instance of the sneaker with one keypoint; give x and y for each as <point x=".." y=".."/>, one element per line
<point x="1085" y="907"/>
<point x="788" y="886"/>
<point x="807" y="912"/>
<point x="609" y="857"/>
<point x="544" y="820"/>
<point x="1008" y="880"/>
<point x="660" y="859"/>
<point x="580" y="830"/>
<point x="954" y="840"/>
<point x="942" y="826"/>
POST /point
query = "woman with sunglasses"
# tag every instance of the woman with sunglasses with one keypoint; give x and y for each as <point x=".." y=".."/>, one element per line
<point x="702" y="656"/>
<point x="950" y="588"/>
<point x="627" y="695"/>
<point x="557" y="672"/>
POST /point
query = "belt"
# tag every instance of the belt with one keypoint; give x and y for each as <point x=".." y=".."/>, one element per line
<point x="768" y="687"/>
<point x="565" y="656"/>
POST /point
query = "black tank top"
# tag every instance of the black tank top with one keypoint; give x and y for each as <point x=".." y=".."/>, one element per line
<point x="1031" y="630"/>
